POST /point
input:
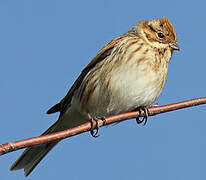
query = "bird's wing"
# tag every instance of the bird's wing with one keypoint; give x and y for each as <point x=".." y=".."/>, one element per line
<point x="104" y="52"/>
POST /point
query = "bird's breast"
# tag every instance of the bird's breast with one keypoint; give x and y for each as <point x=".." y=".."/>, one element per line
<point x="123" y="82"/>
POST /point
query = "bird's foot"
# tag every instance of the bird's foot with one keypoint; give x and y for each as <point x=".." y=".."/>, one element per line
<point x="95" y="125"/>
<point x="144" y="119"/>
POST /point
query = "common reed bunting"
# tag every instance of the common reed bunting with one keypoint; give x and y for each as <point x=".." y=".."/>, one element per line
<point x="126" y="74"/>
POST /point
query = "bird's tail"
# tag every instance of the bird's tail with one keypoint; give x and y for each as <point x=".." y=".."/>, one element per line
<point x="31" y="157"/>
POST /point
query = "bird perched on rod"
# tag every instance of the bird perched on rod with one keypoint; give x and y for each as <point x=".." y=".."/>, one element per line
<point x="126" y="74"/>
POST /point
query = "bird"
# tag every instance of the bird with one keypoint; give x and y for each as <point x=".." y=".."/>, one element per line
<point x="127" y="73"/>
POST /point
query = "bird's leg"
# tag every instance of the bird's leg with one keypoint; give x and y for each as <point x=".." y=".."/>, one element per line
<point x="94" y="130"/>
<point x="156" y="104"/>
<point x="144" y="119"/>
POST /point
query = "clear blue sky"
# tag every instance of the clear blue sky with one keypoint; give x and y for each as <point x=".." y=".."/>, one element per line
<point x="43" y="47"/>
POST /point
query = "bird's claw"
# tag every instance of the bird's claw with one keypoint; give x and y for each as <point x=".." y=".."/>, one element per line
<point x="144" y="119"/>
<point x="95" y="128"/>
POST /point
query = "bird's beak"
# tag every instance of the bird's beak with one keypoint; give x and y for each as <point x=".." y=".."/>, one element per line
<point x="175" y="46"/>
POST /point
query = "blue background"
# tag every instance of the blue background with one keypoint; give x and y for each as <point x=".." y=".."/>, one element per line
<point x="43" y="47"/>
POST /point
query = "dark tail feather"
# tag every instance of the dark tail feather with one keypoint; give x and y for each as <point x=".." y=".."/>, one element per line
<point x="31" y="157"/>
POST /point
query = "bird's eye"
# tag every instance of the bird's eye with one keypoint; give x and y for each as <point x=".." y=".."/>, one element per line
<point x="160" y="35"/>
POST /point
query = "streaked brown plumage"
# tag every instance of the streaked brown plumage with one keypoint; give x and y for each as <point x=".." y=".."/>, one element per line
<point x="127" y="73"/>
